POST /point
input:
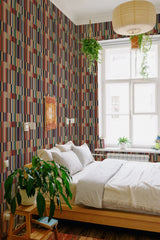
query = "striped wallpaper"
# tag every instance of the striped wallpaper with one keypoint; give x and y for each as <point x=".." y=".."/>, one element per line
<point x="40" y="56"/>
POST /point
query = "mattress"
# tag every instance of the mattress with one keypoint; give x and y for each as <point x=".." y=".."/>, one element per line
<point x="134" y="188"/>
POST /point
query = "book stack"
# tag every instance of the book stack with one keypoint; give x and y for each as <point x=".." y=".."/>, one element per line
<point x="43" y="221"/>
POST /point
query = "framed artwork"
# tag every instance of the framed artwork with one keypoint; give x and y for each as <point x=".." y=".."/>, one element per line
<point x="50" y="113"/>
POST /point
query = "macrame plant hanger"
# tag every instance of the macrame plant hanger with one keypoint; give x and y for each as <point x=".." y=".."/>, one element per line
<point x="90" y="29"/>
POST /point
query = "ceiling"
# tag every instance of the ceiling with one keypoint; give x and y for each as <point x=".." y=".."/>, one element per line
<point x="81" y="11"/>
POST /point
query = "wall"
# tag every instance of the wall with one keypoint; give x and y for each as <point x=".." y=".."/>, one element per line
<point x="38" y="57"/>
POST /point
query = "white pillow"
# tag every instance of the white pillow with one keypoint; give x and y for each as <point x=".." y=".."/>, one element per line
<point x="65" y="147"/>
<point x="46" y="154"/>
<point x="69" y="160"/>
<point x="84" y="154"/>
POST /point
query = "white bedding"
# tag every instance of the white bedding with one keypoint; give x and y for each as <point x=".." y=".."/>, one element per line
<point x="133" y="186"/>
<point x="90" y="187"/>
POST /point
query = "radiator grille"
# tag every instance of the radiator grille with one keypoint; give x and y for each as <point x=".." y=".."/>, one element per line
<point x="129" y="157"/>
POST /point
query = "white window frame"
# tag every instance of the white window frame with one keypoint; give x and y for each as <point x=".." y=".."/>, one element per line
<point x="101" y="83"/>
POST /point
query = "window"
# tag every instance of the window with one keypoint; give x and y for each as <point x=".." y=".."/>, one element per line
<point x="128" y="104"/>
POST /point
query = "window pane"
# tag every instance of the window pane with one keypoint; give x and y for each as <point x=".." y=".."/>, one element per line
<point x="116" y="126"/>
<point x="144" y="98"/>
<point x="152" y="60"/>
<point x="144" y="129"/>
<point x="117" y="63"/>
<point x="117" y="98"/>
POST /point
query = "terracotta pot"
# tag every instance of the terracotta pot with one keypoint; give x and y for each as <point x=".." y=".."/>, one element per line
<point x="134" y="42"/>
<point x="26" y="201"/>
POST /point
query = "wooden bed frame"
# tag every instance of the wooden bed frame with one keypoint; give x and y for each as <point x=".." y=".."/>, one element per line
<point x="138" y="221"/>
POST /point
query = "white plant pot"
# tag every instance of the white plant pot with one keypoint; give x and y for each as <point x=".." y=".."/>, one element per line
<point x="26" y="201"/>
<point x="123" y="145"/>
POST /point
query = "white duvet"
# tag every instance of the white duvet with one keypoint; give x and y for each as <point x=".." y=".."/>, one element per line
<point x="90" y="187"/>
<point x="136" y="185"/>
<point x="119" y="184"/>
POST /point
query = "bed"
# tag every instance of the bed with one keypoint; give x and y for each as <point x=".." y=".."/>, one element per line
<point x="127" y="182"/>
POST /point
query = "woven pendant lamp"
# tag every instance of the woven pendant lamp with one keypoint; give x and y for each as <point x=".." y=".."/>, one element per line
<point x="134" y="17"/>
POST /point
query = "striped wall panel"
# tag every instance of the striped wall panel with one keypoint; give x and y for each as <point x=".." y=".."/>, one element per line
<point x="38" y="57"/>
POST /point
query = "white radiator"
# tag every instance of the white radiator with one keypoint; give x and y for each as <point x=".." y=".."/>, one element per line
<point x="129" y="157"/>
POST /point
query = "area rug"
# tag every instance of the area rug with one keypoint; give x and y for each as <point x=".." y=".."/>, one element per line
<point x="64" y="236"/>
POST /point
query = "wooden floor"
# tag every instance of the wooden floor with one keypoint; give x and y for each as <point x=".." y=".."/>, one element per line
<point x="104" y="232"/>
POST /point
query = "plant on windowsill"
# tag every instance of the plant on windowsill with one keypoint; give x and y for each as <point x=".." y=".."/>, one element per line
<point x="44" y="178"/>
<point x="122" y="142"/>
<point x="143" y="42"/>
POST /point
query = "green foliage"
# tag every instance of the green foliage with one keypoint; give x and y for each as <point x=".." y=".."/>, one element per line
<point x="145" y="43"/>
<point x="45" y="177"/>
<point x="123" y="140"/>
<point x="91" y="49"/>
<point x="41" y="204"/>
<point x="145" y="47"/>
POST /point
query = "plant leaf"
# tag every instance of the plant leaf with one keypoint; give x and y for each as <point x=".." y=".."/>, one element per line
<point x="13" y="205"/>
<point x="19" y="199"/>
<point x="7" y="196"/>
<point x="40" y="204"/>
<point x="52" y="208"/>
<point x="51" y="188"/>
<point x="35" y="161"/>
<point x="66" y="200"/>
<point x="8" y="183"/>
<point x="29" y="186"/>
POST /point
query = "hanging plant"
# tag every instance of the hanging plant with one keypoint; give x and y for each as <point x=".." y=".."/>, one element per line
<point x="91" y="49"/>
<point x="145" y="47"/>
<point x="144" y="43"/>
<point x="136" y="41"/>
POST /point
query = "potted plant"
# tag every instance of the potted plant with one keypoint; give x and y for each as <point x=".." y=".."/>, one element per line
<point x="44" y="178"/>
<point x="144" y="43"/>
<point x="91" y="48"/>
<point x="136" y="41"/>
<point x="122" y="142"/>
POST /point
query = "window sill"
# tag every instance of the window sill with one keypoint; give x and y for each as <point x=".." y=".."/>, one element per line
<point x="136" y="150"/>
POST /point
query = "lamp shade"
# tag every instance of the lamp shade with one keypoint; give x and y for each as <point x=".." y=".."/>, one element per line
<point x="134" y="17"/>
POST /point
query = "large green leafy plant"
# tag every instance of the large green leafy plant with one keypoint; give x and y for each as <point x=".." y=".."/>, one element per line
<point x="91" y="48"/>
<point x="43" y="177"/>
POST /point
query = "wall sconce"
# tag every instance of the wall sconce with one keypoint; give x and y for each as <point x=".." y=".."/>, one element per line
<point x="26" y="126"/>
<point x="29" y="125"/>
<point x="6" y="163"/>
<point x="70" y="121"/>
<point x="32" y="125"/>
